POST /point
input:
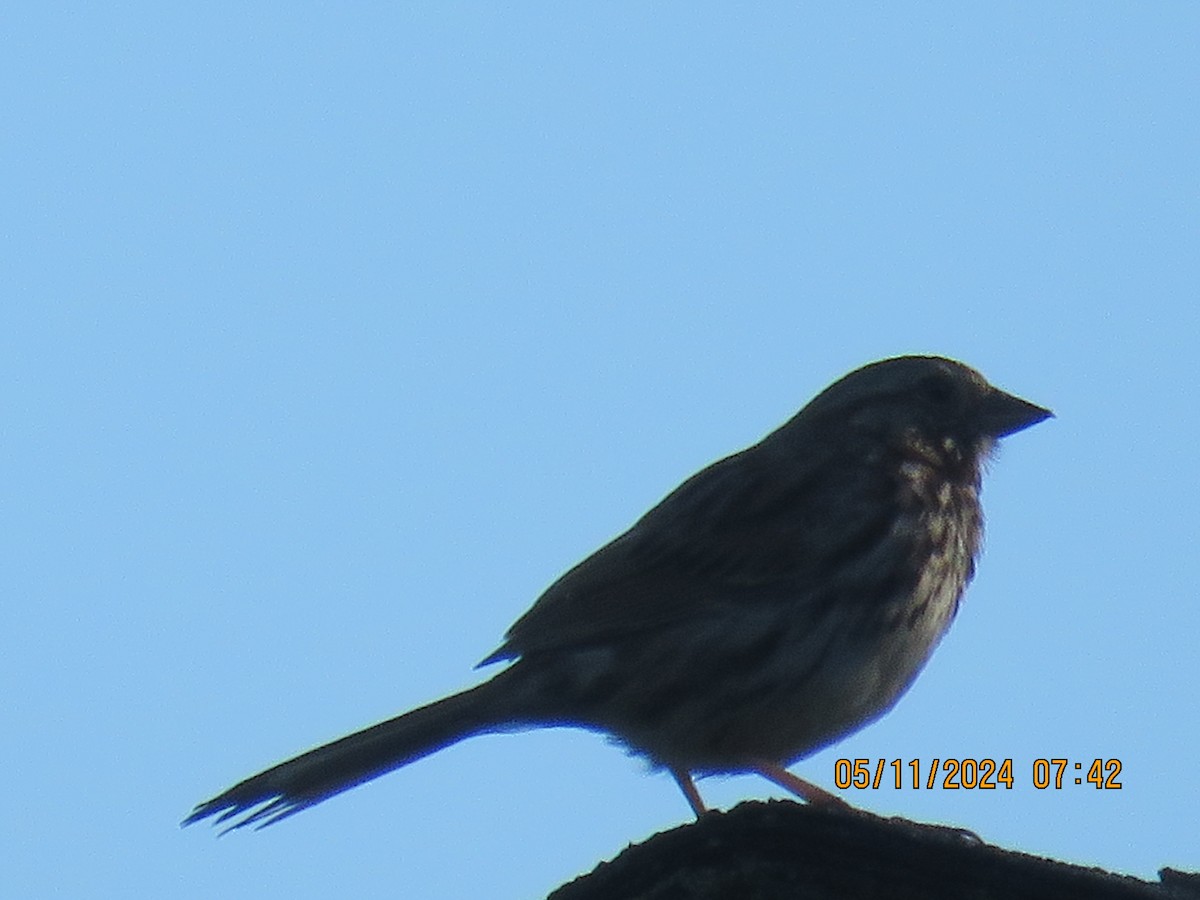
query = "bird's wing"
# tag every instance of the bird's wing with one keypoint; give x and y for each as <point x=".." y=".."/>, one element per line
<point x="745" y="529"/>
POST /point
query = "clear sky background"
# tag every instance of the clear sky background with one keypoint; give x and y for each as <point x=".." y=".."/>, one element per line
<point x="330" y="335"/>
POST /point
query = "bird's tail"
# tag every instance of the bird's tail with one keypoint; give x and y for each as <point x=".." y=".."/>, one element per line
<point x="306" y="780"/>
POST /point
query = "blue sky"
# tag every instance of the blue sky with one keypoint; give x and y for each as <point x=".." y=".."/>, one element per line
<point x="330" y="336"/>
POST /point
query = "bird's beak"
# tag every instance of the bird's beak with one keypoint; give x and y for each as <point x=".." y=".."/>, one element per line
<point x="1003" y="414"/>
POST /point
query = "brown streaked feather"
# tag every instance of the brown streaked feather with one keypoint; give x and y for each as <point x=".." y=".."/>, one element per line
<point x="730" y="534"/>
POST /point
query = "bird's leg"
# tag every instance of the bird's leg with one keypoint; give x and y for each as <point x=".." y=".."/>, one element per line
<point x="806" y="791"/>
<point x="684" y="779"/>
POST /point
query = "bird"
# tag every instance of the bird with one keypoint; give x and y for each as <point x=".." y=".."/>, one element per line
<point x="776" y="601"/>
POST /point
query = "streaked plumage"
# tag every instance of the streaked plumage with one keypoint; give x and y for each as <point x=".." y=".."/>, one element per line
<point x="775" y="601"/>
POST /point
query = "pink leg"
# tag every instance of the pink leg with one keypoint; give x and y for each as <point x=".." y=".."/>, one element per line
<point x="684" y="779"/>
<point x="807" y="792"/>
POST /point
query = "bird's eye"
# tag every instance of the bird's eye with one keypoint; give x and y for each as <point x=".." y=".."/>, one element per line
<point x="937" y="391"/>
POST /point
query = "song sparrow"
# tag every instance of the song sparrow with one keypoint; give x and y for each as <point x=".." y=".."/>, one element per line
<point x="774" y="602"/>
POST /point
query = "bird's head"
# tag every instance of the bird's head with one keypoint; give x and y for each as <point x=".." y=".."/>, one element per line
<point x="925" y="403"/>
